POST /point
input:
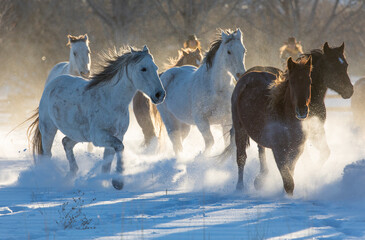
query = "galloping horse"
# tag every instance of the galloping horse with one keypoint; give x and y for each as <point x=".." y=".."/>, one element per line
<point x="201" y="96"/>
<point x="142" y="107"/>
<point x="79" y="62"/>
<point x="269" y="109"/>
<point x="329" y="71"/>
<point x="95" y="111"/>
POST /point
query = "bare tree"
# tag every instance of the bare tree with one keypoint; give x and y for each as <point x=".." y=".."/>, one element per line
<point x="119" y="16"/>
<point x="194" y="16"/>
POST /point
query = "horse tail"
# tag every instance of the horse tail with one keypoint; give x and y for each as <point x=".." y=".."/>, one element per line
<point x="34" y="135"/>
<point x="227" y="152"/>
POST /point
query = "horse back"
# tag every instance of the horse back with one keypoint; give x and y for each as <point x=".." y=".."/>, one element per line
<point x="57" y="70"/>
<point x="272" y="70"/>
<point x="250" y="103"/>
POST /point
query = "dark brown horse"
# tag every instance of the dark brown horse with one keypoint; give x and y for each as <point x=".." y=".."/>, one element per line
<point x="269" y="109"/>
<point x="329" y="71"/>
<point x="145" y="111"/>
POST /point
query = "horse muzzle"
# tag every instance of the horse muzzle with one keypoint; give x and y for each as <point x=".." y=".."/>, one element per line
<point x="85" y="74"/>
<point x="159" y="97"/>
<point x="347" y="94"/>
<point x="301" y="114"/>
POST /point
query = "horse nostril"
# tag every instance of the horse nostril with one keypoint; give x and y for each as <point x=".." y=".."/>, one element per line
<point x="158" y="95"/>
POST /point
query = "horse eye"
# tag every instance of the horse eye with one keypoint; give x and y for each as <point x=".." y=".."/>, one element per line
<point x="144" y="69"/>
<point x="74" y="54"/>
<point x="229" y="52"/>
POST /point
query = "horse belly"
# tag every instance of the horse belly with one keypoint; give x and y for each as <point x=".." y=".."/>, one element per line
<point x="178" y="101"/>
<point x="65" y="108"/>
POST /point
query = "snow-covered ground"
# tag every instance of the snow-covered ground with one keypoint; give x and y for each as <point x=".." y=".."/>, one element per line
<point x="188" y="198"/>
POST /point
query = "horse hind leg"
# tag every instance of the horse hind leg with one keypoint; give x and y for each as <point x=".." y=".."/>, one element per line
<point x="48" y="132"/>
<point x="242" y="142"/>
<point x="259" y="180"/>
<point x="68" y="145"/>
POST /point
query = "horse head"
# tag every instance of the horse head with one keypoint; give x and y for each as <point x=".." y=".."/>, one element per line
<point x="300" y="86"/>
<point x="80" y="54"/>
<point x="335" y="68"/>
<point x="190" y="57"/>
<point x="145" y="77"/>
<point x="233" y="53"/>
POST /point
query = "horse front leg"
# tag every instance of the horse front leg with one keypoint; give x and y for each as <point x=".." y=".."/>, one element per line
<point x="204" y="127"/>
<point x="259" y="180"/>
<point x="108" y="141"/>
<point x="281" y="159"/>
<point x="108" y="159"/>
<point x="317" y="136"/>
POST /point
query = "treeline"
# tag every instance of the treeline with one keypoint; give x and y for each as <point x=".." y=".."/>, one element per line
<point x="33" y="32"/>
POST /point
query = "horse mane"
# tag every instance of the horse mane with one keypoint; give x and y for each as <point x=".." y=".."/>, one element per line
<point x="214" y="46"/>
<point x="175" y="62"/>
<point x="278" y="88"/>
<point x="80" y="38"/>
<point x="114" y="62"/>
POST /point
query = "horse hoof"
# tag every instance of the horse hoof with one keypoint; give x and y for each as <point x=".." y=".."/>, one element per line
<point x="258" y="183"/>
<point x="117" y="184"/>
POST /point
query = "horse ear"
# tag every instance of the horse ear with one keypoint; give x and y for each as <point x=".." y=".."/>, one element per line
<point x="85" y="37"/>
<point x="291" y="64"/>
<point x="197" y="50"/>
<point x="224" y="36"/>
<point x="326" y="48"/>
<point x="238" y="33"/>
<point x="309" y="61"/>
<point x="145" y="48"/>
<point x="342" y="47"/>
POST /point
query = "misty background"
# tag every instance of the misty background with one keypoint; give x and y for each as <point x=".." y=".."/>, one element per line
<point x="33" y="33"/>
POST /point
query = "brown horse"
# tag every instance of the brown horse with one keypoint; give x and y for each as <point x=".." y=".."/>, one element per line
<point x="269" y="109"/>
<point x="145" y="111"/>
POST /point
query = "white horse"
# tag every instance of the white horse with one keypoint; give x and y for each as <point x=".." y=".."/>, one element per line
<point x="95" y="111"/>
<point x="79" y="62"/>
<point x="202" y="96"/>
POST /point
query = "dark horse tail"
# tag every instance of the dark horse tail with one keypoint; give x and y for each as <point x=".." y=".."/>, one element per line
<point x="227" y="152"/>
<point x="34" y="135"/>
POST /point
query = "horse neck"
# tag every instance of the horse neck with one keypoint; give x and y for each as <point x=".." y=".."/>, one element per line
<point x="220" y="78"/>
<point x="289" y="109"/>
<point x="318" y="87"/>
<point x="72" y="66"/>
<point x="120" y="91"/>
